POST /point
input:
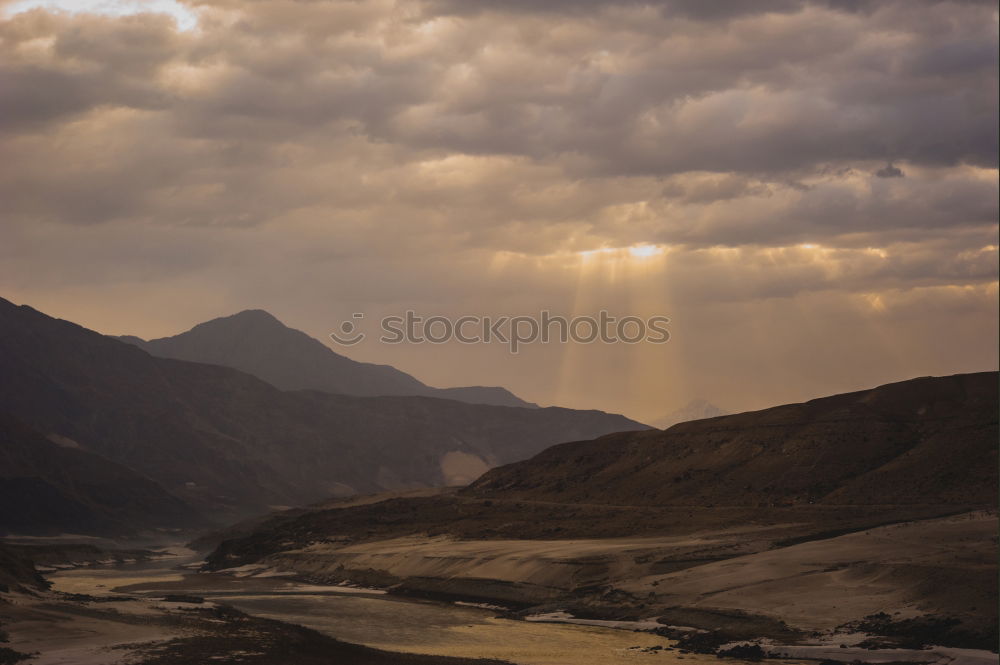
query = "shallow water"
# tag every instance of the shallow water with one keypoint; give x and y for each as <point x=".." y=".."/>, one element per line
<point x="444" y="629"/>
<point x="389" y="622"/>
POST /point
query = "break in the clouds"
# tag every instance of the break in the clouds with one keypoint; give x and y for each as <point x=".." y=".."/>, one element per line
<point x="837" y="158"/>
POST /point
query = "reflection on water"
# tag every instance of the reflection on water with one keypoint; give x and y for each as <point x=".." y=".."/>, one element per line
<point x="444" y="629"/>
<point x="392" y="623"/>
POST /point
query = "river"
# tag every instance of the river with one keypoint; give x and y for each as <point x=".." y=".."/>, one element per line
<point x="373" y="618"/>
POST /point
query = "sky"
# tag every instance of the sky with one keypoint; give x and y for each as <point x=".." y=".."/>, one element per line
<point x="807" y="189"/>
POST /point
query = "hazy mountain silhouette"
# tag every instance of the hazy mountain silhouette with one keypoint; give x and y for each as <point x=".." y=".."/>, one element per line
<point x="696" y="409"/>
<point x="224" y="440"/>
<point x="256" y="342"/>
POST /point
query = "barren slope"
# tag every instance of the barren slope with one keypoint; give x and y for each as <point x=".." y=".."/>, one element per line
<point x="930" y="440"/>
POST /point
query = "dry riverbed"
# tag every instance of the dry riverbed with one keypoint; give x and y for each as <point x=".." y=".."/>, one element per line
<point x="439" y="600"/>
<point x="148" y="614"/>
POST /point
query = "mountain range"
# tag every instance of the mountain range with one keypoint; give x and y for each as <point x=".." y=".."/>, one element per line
<point x="229" y="444"/>
<point x="918" y="448"/>
<point x="872" y="507"/>
<point x="257" y="343"/>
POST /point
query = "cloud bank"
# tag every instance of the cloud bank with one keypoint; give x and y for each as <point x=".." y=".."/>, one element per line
<point x="315" y="158"/>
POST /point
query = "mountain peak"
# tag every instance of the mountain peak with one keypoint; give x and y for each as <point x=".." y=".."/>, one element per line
<point x="246" y="317"/>
<point x="256" y="342"/>
<point x="262" y="314"/>
<point x="255" y="326"/>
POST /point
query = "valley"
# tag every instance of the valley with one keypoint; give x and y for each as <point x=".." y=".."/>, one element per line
<point x="520" y="602"/>
<point x="858" y="527"/>
<point x="499" y="332"/>
<point x="137" y="610"/>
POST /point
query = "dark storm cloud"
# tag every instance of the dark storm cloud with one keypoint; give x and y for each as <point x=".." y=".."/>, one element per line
<point x="889" y="171"/>
<point x="93" y="62"/>
<point x="769" y="93"/>
<point x="527" y="127"/>
<point x="717" y="10"/>
<point x="697" y="9"/>
<point x="720" y="9"/>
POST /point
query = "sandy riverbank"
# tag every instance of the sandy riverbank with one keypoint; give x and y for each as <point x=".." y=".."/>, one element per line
<point x="928" y="570"/>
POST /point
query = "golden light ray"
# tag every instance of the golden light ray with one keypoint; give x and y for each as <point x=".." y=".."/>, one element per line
<point x="635" y="277"/>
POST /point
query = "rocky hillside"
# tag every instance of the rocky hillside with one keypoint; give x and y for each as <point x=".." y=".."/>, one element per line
<point x="257" y="343"/>
<point x="910" y="450"/>
<point x="230" y="443"/>
<point x="17" y="572"/>
<point x="931" y="440"/>
<point x="49" y="488"/>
